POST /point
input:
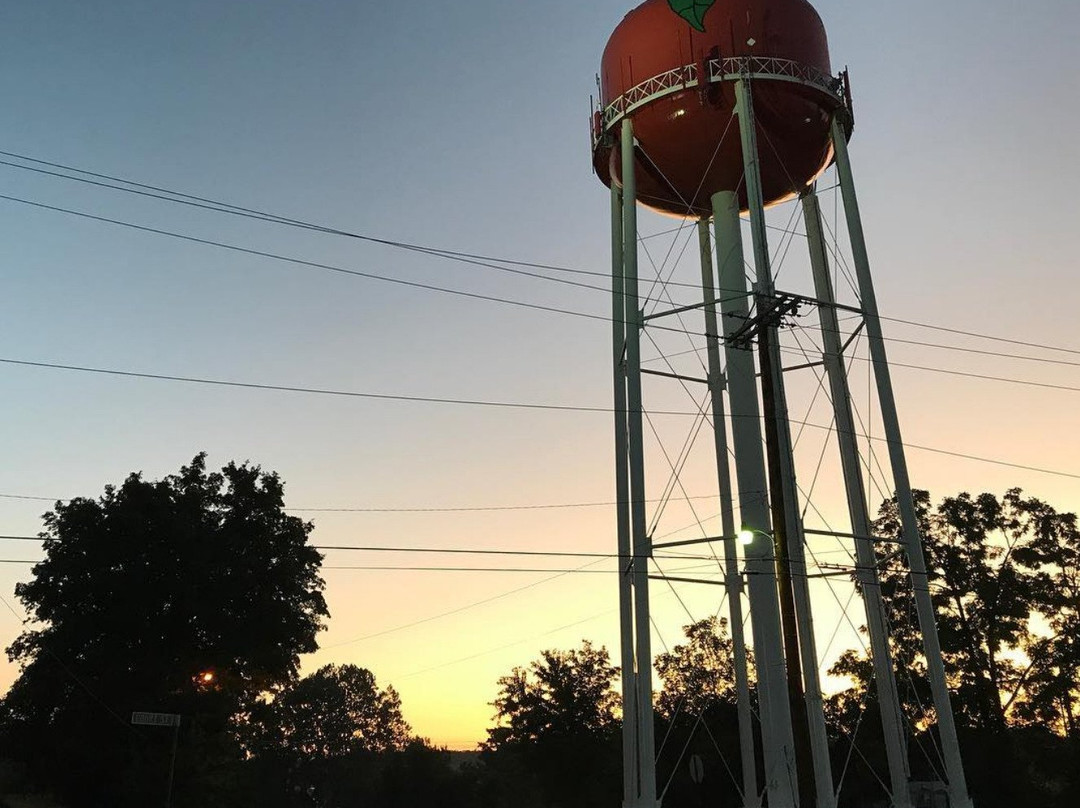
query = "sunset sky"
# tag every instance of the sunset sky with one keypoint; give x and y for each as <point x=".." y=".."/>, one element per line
<point x="464" y="126"/>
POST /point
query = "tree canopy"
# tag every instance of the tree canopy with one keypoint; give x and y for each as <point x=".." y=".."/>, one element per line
<point x="556" y="741"/>
<point x="564" y="694"/>
<point x="699" y="673"/>
<point x="333" y="712"/>
<point x="187" y="595"/>
<point x="1005" y="577"/>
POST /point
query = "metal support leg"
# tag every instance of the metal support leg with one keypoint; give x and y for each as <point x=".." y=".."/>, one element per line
<point x="622" y="488"/>
<point x="642" y="542"/>
<point x="892" y="718"/>
<point x="815" y="716"/>
<point x="777" y="741"/>
<point x="954" y="767"/>
<point x="732" y="578"/>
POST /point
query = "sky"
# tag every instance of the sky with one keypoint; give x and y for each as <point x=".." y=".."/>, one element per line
<point x="464" y="126"/>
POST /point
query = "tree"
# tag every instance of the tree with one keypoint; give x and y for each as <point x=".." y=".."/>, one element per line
<point x="697" y="708"/>
<point x="556" y="740"/>
<point x="333" y="712"/>
<point x="998" y="568"/>
<point x="1005" y="578"/>
<point x="563" y="695"/>
<point x="188" y="595"/>
<point x="699" y="674"/>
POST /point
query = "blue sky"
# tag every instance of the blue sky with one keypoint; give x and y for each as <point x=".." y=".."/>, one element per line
<point x="465" y="126"/>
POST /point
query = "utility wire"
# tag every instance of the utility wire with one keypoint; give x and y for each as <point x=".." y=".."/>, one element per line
<point x="446" y="551"/>
<point x="205" y="203"/>
<point x="491" y="404"/>
<point x="432" y="510"/>
<point x="324" y="391"/>
<point x="977" y="335"/>
<point x="178" y="197"/>
<point x="338" y="269"/>
<point x="452" y="612"/>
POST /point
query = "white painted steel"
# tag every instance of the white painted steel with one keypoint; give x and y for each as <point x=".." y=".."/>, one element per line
<point x="819" y="742"/>
<point x="892" y="718"/>
<point x="778" y="743"/>
<point x="732" y="68"/>
<point x="732" y="578"/>
<point x="622" y="498"/>
<point x="639" y="529"/>
<point x="954" y="767"/>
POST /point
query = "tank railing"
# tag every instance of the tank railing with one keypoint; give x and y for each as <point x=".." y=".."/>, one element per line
<point x="735" y="67"/>
<point x="650" y="89"/>
<point x="730" y="68"/>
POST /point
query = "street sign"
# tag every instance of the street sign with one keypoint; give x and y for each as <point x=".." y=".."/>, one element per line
<point x="697" y="769"/>
<point x="156" y="719"/>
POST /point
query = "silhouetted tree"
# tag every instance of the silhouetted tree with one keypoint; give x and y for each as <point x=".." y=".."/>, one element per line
<point x="556" y="740"/>
<point x="564" y="694"/>
<point x="337" y="710"/>
<point x="1005" y="578"/>
<point x="698" y="716"/>
<point x="187" y="595"/>
<point x="699" y="674"/>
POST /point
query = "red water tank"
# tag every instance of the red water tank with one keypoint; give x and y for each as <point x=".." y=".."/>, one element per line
<point x="689" y="139"/>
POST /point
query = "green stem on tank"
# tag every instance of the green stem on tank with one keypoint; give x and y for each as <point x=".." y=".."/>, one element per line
<point x="693" y="11"/>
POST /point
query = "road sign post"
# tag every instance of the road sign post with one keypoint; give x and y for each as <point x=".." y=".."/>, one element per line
<point x="145" y="719"/>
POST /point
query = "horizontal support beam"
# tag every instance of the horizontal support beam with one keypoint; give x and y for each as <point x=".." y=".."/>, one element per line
<point x="813" y="301"/>
<point x="836" y="535"/>
<point x="673" y="376"/>
<point x="687" y="543"/>
<point x="672" y="579"/>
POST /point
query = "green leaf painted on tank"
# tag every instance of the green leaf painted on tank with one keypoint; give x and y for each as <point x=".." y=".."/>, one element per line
<point x="693" y="11"/>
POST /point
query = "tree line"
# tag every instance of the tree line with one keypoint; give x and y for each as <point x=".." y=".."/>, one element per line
<point x="196" y="596"/>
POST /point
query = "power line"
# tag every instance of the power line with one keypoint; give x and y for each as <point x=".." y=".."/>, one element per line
<point x="474" y="509"/>
<point x="454" y="551"/>
<point x="452" y="612"/>
<point x="977" y="335"/>
<point x="338" y="269"/>
<point x="526" y="570"/>
<point x="206" y="203"/>
<point x="417" y="510"/>
<point x="301" y="262"/>
<point x="490" y="262"/>
<point x="555" y="309"/>
<point x="995" y="354"/>
<point x="313" y="390"/>
<point x="483" y="403"/>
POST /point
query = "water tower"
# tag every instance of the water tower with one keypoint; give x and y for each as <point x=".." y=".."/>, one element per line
<point x="711" y="110"/>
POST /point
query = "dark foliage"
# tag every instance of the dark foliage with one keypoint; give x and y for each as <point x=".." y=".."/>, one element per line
<point x="186" y="595"/>
<point x="1005" y="578"/>
<point x="336" y="711"/>
<point x="556" y="743"/>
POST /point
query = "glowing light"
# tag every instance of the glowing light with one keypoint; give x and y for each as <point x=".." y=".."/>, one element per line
<point x="206" y="677"/>
<point x="746" y="537"/>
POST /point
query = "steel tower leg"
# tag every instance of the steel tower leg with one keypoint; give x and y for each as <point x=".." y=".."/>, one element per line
<point x="954" y="767"/>
<point x="815" y="715"/>
<point x="622" y="488"/>
<point x="642" y="541"/>
<point x="778" y="744"/>
<point x="892" y="718"/>
<point x="732" y="578"/>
